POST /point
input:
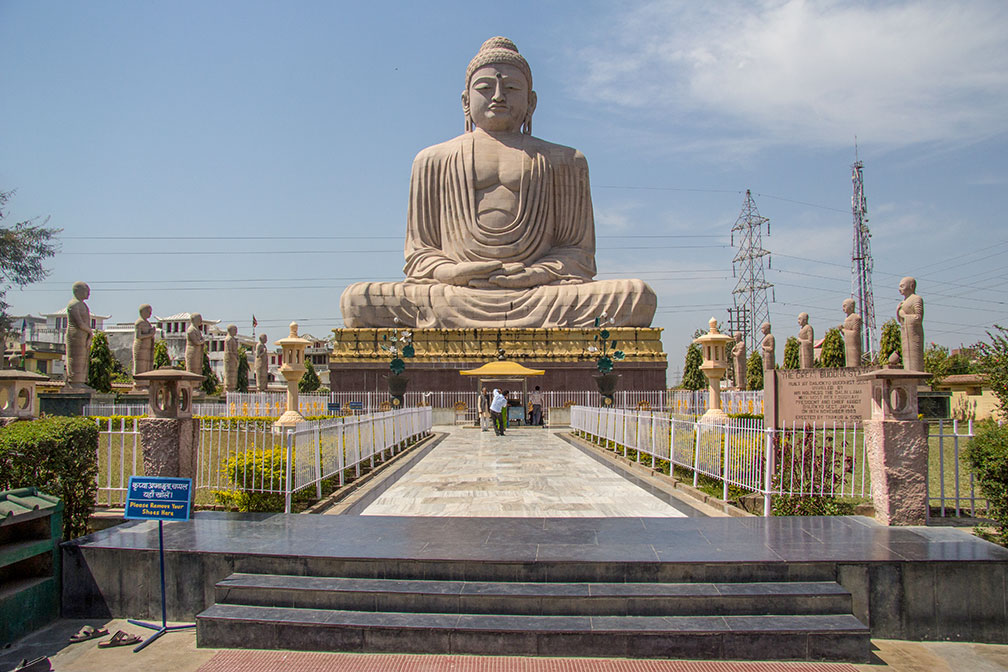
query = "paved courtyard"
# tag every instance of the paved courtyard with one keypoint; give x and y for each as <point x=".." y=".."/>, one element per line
<point x="525" y="473"/>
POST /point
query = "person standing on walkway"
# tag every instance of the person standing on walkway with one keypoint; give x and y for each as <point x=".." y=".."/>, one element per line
<point x="498" y="403"/>
<point x="536" y="399"/>
<point x="483" y="406"/>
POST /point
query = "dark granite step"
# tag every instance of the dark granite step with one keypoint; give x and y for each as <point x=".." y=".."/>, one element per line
<point x="590" y="599"/>
<point x="789" y="637"/>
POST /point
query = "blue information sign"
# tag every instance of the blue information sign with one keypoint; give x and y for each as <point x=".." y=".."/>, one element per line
<point x="333" y="407"/>
<point x="355" y="405"/>
<point x="154" y="498"/>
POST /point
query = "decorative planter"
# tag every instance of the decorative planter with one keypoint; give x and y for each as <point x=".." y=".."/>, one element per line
<point x="397" y="388"/>
<point x="606" y="384"/>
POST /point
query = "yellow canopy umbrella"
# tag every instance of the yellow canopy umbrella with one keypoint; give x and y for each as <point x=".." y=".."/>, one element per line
<point x="503" y="368"/>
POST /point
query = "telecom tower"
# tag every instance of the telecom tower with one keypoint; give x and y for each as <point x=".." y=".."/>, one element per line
<point x="750" y="293"/>
<point x="861" y="260"/>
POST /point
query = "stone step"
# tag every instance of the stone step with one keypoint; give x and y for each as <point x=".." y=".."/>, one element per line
<point x="591" y="599"/>
<point x="752" y="637"/>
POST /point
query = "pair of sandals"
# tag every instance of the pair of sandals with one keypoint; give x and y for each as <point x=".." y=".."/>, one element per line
<point x="120" y="638"/>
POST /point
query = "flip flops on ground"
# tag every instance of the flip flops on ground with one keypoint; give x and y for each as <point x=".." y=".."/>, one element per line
<point x="120" y="638"/>
<point x="86" y="633"/>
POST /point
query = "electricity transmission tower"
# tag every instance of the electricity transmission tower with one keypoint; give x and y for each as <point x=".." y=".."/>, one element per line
<point x="750" y="293"/>
<point x="861" y="260"/>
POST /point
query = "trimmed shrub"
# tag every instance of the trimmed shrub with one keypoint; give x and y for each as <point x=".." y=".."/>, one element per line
<point x="58" y="456"/>
<point x="792" y="353"/>
<point x="833" y="353"/>
<point x="986" y="455"/>
<point x="754" y="371"/>
<point x="693" y="378"/>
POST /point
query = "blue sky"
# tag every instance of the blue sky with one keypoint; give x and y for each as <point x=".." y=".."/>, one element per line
<point x="240" y="158"/>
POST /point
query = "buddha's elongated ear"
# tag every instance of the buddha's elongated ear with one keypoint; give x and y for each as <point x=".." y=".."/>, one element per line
<point x="465" y="112"/>
<point x="527" y="123"/>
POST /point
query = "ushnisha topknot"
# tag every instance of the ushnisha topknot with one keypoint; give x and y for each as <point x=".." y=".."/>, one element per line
<point x="498" y="50"/>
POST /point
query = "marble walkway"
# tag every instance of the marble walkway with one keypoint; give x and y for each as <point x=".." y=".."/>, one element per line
<point x="525" y="473"/>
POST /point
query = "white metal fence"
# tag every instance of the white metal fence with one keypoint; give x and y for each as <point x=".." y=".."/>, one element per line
<point x="248" y="456"/>
<point x="804" y="461"/>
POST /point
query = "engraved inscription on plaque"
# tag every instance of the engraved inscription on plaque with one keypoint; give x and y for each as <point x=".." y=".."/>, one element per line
<point x="822" y="395"/>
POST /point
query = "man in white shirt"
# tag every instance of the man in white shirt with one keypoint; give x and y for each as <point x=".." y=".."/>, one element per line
<point x="498" y="404"/>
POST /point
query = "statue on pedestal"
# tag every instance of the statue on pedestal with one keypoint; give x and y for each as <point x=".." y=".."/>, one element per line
<point x="910" y="314"/>
<point x="768" y="348"/>
<point x="143" y="343"/>
<point x="194" y="345"/>
<point x="739" y="360"/>
<point x="851" y="329"/>
<point x="262" y="364"/>
<point x="806" y="343"/>
<point x="78" y="336"/>
<point x="500" y="228"/>
<point x="231" y="359"/>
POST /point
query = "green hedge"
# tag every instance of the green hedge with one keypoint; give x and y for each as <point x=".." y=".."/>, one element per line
<point x="57" y="455"/>
<point x="987" y="457"/>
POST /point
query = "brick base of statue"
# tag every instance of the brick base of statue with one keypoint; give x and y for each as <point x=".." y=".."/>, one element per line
<point x="169" y="446"/>
<point x="898" y="459"/>
<point x="359" y="363"/>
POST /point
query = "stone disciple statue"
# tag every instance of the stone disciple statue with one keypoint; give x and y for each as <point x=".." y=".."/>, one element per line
<point x="806" y="343"/>
<point x="78" y="336"/>
<point x="851" y="329"/>
<point x="262" y="364"/>
<point x="739" y="359"/>
<point x="143" y="343"/>
<point x="499" y="225"/>
<point x="768" y="347"/>
<point x="910" y="314"/>
<point x="231" y="359"/>
<point x="194" y="345"/>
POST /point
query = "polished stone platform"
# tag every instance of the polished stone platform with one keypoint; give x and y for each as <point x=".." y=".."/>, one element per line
<point x="906" y="583"/>
<point x="530" y="472"/>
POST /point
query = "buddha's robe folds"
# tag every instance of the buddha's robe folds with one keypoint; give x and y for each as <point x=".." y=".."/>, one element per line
<point x="553" y="230"/>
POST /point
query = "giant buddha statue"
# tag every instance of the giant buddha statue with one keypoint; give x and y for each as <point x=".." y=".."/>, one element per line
<point x="500" y="231"/>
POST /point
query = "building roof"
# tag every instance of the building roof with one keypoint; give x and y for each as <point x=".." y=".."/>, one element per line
<point x="965" y="379"/>
<point x="63" y="311"/>
<point x="183" y="317"/>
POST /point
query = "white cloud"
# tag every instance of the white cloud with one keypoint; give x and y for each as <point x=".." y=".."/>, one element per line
<point x="811" y="72"/>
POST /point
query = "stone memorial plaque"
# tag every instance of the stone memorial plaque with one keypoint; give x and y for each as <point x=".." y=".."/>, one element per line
<point x="822" y="395"/>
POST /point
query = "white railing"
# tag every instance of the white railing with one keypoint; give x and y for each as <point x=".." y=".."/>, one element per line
<point x="733" y="402"/>
<point x="106" y="410"/>
<point x="249" y="456"/>
<point x="326" y="449"/>
<point x="273" y="404"/>
<point x="799" y="461"/>
<point x="119" y="457"/>
<point x="956" y="489"/>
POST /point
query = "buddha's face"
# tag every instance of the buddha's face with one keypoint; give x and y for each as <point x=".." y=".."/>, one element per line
<point x="498" y="98"/>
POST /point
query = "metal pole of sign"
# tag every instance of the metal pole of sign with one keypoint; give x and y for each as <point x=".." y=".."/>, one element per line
<point x="164" y="627"/>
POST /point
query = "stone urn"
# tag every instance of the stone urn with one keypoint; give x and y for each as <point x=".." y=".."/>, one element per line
<point x="606" y="383"/>
<point x="397" y="388"/>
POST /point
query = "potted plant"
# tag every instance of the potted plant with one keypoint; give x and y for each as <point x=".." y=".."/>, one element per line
<point x="607" y="352"/>
<point x="399" y="346"/>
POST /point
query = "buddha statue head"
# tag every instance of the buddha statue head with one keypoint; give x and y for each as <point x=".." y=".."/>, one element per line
<point x="498" y="96"/>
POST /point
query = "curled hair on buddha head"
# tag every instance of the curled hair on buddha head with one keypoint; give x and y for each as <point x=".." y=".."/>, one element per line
<point x="498" y="50"/>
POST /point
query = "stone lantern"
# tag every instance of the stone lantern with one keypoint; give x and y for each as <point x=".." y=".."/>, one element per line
<point x="714" y="347"/>
<point x="17" y="393"/>
<point x="169" y="434"/>
<point x="293" y="351"/>
<point x="169" y="392"/>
